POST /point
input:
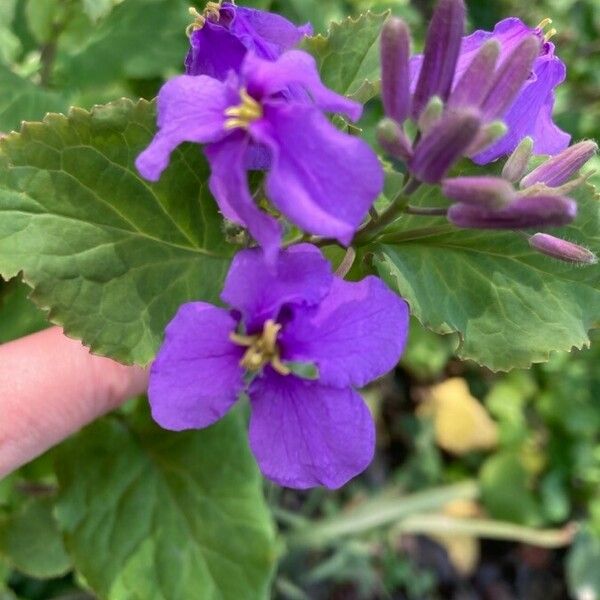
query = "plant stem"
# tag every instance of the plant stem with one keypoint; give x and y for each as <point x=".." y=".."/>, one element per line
<point x="379" y="512"/>
<point x="426" y="211"/>
<point x="346" y="263"/>
<point x="487" y="529"/>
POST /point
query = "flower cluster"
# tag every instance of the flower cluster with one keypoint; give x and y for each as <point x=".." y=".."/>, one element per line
<point x="295" y="337"/>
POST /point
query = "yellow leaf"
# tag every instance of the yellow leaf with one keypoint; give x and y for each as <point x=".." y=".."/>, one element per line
<point x="461" y="423"/>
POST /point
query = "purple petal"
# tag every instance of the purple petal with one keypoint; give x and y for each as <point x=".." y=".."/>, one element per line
<point x="267" y="34"/>
<point x="190" y="109"/>
<point x="354" y="336"/>
<point x="323" y="180"/>
<point x="304" y="434"/>
<point x="229" y="185"/>
<point x="442" y="48"/>
<point x="295" y="68"/>
<point x="395" y="52"/>
<point x="196" y="377"/>
<point x="214" y="51"/>
<point x="219" y="47"/>
<point x="258" y="290"/>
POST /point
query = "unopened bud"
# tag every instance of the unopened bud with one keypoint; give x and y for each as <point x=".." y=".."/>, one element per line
<point x="431" y="115"/>
<point x="490" y="192"/>
<point x="395" y="74"/>
<point x="447" y="141"/>
<point x="562" y="250"/>
<point x="475" y="82"/>
<point x="516" y="165"/>
<point x="562" y="167"/>
<point x="442" y="47"/>
<point x="522" y="213"/>
<point x="488" y="135"/>
<point x="393" y="140"/>
<point x="509" y="78"/>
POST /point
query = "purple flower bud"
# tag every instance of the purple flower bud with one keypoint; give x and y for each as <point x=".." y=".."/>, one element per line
<point x="562" y="250"/>
<point x="475" y="82"/>
<point x="525" y="212"/>
<point x="393" y="140"/>
<point x="441" y="147"/>
<point x="490" y="192"/>
<point x="395" y="75"/>
<point x="442" y="48"/>
<point x="516" y="165"/>
<point x="509" y="78"/>
<point x="561" y="167"/>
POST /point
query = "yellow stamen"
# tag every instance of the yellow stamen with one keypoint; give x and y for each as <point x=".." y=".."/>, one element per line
<point x="262" y="349"/>
<point x="550" y="35"/>
<point x="544" y="23"/>
<point x="211" y="11"/>
<point x="248" y="111"/>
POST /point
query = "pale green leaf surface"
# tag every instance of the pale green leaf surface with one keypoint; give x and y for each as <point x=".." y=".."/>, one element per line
<point x="154" y="515"/>
<point x="511" y="306"/>
<point x="138" y="39"/>
<point x="31" y="542"/>
<point x="21" y="100"/>
<point x="348" y="56"/>
<point x="110" y="256"/>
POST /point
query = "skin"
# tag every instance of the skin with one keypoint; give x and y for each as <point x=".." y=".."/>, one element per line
<point x="50" y="387"/>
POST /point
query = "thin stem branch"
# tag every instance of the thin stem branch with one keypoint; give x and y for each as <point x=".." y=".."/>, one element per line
<point x="346" y="263"/>
<point x="379" y="512"/>
<point x="426" y="211"/>
<point x="486" y="529"/>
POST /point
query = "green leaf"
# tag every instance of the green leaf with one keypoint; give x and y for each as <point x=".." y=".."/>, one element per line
<point x="165" y="516"/>
<point x="32" y="543"/>
<point x="511" y="306"/>
<point x="108" y="255"/>
<point x="348" y="57"/>
<point x="138" y="39"/>
<point x="98" y="9"/>
<point x="582" y="562"/>
<point x="21" y="100"/>
<point x="505" y="490"/>
<point x="18" y="315"/>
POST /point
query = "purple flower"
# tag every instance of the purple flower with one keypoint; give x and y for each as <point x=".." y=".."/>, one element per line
<point x="530" y="112"/>
<point x="303" y="432"/>
<point x="320" y="178"/>
<point x="224" y="33"/>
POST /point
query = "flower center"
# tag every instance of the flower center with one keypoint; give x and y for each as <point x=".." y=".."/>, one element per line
<point x="211" y="11"/>
<point x="245" y="113"/>
<point x="262" y="349"/>
<point x="549" y="34"/>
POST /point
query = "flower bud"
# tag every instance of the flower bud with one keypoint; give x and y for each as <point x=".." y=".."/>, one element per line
<point x="393" y="140"/>
<point x="516" y="165"/>
<point x="562" y="167"/>
<point x="395" y="74"/>
<point x="432" y="114"/>
<point x="522" y="213"/>
<point x="485" y="191"/>
<point x="562" y="250"/>
<point x="442" y="47"/>
<point x="488" y="135"/>
<point x="509" y="78"/>
<point x="475" y="82"/>
<point x="441" y="147"/>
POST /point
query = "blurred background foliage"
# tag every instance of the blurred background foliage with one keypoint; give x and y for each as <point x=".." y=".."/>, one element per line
<point x="524" y="446"/>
